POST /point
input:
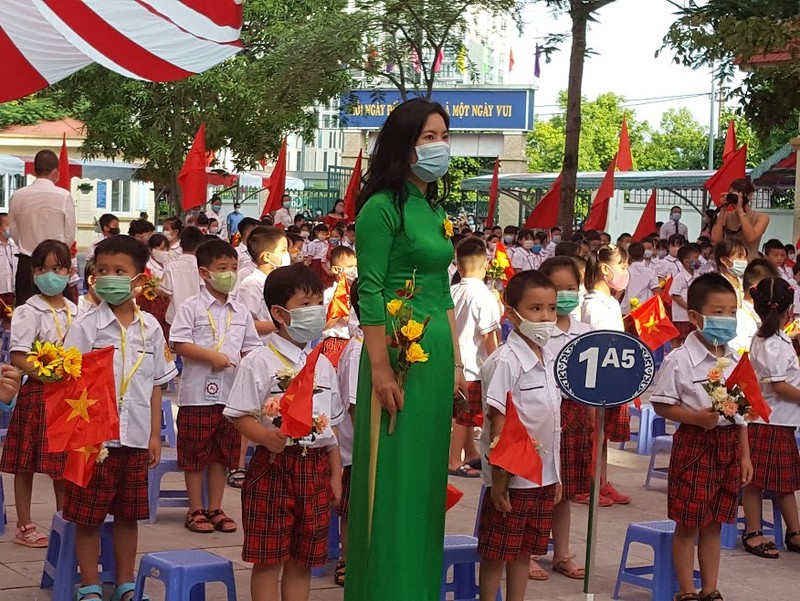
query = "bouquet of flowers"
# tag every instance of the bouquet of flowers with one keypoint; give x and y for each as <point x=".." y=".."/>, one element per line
<point x="54" y="363"/>
<point x="728" y="403"/>
<point x="497" y="267"/>
<point x="150" y="286"/>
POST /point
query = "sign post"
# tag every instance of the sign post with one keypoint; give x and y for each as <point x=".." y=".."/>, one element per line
<point x="602" y="369"/>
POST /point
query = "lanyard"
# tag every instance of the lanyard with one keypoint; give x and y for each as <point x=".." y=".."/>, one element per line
<point x="283" y="359"/>
<point x="126" y="380"/>
<point x="61" y="334"/>
<point x="218" y="344"/>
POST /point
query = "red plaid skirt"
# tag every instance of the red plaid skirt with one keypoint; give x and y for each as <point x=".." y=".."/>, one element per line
<point x="332" y="348"/>
<point x="205" y="436"/>
<point x="327" y="280"/>
<point x="776" y="460"/>
<point x="473" y="415"/>
<point x="684" y="328"/>
<point x="618" y="424"/>
<point x="118" y="487"/>
<point x="25" y="449"/>
<point x="158" y="309"/>
<point x="704" y="476"/>
<point x="344" y="508"/>
<point x="286" y="507"/>
<point x="576" y="448"/>
<point x="526" y="529"/>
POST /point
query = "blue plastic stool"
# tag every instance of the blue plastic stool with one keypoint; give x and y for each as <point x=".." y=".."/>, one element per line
<point x="4" y="519"/>
<point x="184" y="574"/>
<point x="660" y="578"/>
<point x="167" y="423"/>
<point x="334" y="544"/>
<point x="461" y="554"/>
<point x="659" y="444"/>
<point x="650" y="426"/>
<point x="732" y="532"/>
<point x="61" y="562"/>
<point x="157" y="497"/>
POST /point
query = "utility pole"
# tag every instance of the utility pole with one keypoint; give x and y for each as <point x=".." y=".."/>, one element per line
<point x="712" y="125"/>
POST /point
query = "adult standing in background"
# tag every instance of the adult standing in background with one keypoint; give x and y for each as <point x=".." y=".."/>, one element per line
<point x="233" y="220"/>
<point x="284" y="217"/>
<point x="674" y="225"/>
<point x="216" y="209"/>
<point x="737" y="218"/>
<point x="38" y="212"/>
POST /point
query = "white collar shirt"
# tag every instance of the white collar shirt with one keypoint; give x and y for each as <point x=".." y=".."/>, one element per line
<point x="181" y="281"/>
<point x="317" y="250"/>
<point x="245" y="260"/>
<point x="774" y="360"/>
<point x="525" y="260"/>
<point x="643" y="280"/>
<point x="41" y="211"/>
<point x="156" y="268"/>
<point x="250" y="294"/>
<point x="85" y="304"/>
<point x="8" y="266"/>
<point x="669" y="266"/>
<point x="559" y="338"/>
<point x="602" y="312"/>
<point x="477" y="314"/>
<point x="285" y="217"/>
<point x="680" y="287"/>
<point x="37" y="320"/>
<point x="202" y="320"/>
<point x="670" y="228"/>
<point x="349" y="362"/>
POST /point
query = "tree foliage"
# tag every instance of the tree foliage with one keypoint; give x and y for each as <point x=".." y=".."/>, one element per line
<point x="29" y="111"/>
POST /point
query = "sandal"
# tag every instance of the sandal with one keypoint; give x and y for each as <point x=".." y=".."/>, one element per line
<point x="91" y="589"/>
<point x="29" y="536"/>
<point x="790" y="546"/>
<point x="535" y="572"/>
<point x="567" y="567"/>
<point x="124" y="589"/>
<point x="475" y="464"/>
<point x="223" y="524"/>
<point x="762" y="549"/>
<point x="688" y="597"/>
<point x="464" y="471"/>
<point x="195" y="520"/>
<point x="338" y="573"/>
<point x="714" y="595"/>
<point x="236" y="478"/>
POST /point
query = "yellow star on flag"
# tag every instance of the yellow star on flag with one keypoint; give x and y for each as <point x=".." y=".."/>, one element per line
<point x="651" y="324"/>
<point x="80" y="406"/>
<point x="88" y="451"/>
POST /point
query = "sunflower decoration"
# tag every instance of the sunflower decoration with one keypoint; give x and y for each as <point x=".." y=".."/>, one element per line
<point x="447" y="228"/>
<point x="53" y="363"/>
<point x="150" y="287"/>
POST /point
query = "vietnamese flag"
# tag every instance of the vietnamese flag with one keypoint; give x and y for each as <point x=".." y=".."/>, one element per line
<point x="353" y="190"/>
<point x="276" y="187"/>
<point x="651" y="323"/>
<point x="624" y="157"/>
<point x="64" y="176"/>
<point x="745" y="378"/>
<point x="192" y="178"/>
<point x="452" y="497"/>
<point x="733" y="168"/>
<point x="297" y="402"/>
<point x="665" y="296"/>
<point x="494" y="190"/>
<point x="340" y="303"/>
<point x="501" y="254"/>
<point x="83" y="412"/>
<point x="647" y="222"/>
<point x="730" y="141"/>
<point x="514" y="451"/>
<point x="80" y="465"/>
<point x="598" y="212"/>
<point x="545" y="213"/>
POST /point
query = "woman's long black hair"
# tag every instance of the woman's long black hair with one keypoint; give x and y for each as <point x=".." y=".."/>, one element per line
<point x="389" y="164"/>
<point x="771" y="299"/>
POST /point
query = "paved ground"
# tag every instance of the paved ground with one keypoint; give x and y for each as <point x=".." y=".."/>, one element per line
<point x="744" y="577"/>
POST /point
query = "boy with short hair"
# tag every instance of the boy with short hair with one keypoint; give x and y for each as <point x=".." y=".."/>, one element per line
<point x="710" y="459"/>
<point x="688" y="259"/>
<point x="337" y="333"/>
<point x="298" y="540"/>
<point x="180" y="280"/>
<point x="142" y="364"/>
<point x="210" y="333"/>
<point x="643" y="283"/>
<point x="477" y="315"/>
<point x="350" y="236"/>
<point x="246" y="264"/>
<point x="775" y="253"/>
<point x="109" y="226"/>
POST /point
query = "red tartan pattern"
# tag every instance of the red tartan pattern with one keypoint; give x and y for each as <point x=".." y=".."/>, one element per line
<point x="327" y="280"/>
<point x="473" y="414"/>
<point x="685" y="328"/>
<point x="205" y="436"/>
<point x="618" y="424"/>
<point x="775" y="457"/>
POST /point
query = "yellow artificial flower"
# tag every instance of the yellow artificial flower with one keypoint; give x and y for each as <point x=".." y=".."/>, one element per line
<point x="634" y="303"/>
<point x="45" y="358"/>
<point x="9" y="310"/>
<point x="415" y="354"/>
<point x="149" y="293"/>
<point x="447" y="226"/>
<point x="72" y="362"/>
<point x="501" y="262"/>
<point x="412" y="330"/>
<point x="394" y="306"/>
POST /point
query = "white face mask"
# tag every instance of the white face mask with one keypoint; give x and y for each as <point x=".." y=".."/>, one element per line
<point x="160" y="256"/>
<point x="537" y="332"/>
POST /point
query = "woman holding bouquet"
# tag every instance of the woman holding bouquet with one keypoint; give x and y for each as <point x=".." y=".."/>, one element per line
<point x="405" y="391"/>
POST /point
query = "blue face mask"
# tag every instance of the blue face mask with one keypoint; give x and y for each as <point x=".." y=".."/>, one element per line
<point x="676" y="217"/>
<point x="51" y="283"/>
<point x="718" y="329"/>
<point x="335" y="241"/>
<point x="537" y="248"/>
<point x="216" y="208"/>
<point x="433" y="161"/>
<point x="307" y="323"/>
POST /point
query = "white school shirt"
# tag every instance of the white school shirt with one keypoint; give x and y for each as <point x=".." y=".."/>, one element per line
<point x="340" y="329"/>
<point x="532" y="383"/>
<point x="285" y="217"/>
<point x="602" y="312"/>
<point x="156" y="268"/>
<point x="451" y="271"/>
<point x="477" y="314"/>
<point x="747" y="324"/>
<point x="774" y="360"/>
<point x="559" y="338"/>
<point x="8" y="266"/>
<point x="251" y="294"/>
<point x="680" y="287"/>
<point x="643" y="280"/>
<point x="175" y="249"/>
<point x="100" y="329"/>
<point x="525" y="260"/>
<point x="255" y="383"/>
<point x="671" y="228"/>
<point x="349" y="362"/>
<point x="317" y="250"/>
<point x="181" y="281"/>
<point x="233" y="326"/>
<point x="668" y="266"/>
<point x="35" y="320"/>
<point x="245" y="260"/>
<point x="549" y="251"/>
<point x="85" y="304"/>
<point x="680" y="379"/>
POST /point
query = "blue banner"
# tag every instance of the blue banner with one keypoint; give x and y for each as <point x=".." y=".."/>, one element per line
<point x="470" y="109"/>
<point x="101" y="194"/>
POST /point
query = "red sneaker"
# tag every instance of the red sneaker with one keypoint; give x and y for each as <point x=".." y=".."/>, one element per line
<point x="583" y="499"/>
<point x="617" y="497"/>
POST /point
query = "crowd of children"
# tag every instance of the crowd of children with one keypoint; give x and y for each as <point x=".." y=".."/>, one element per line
<point x="249" y="317"/>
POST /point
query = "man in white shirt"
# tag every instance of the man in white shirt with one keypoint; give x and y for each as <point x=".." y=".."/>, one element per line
<point x="8" y="264"/>
<point x="39" y="212"/>
<point x="674" y="225"/>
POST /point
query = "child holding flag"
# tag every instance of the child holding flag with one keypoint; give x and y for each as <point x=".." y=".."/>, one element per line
<point x="337" y="303"/>
<point x="45" y="317"/>
<point x="211" y="333"/>
<point x="286" y="523"/>
<point x="142" y="364"/>
<point x="521" y="396"/>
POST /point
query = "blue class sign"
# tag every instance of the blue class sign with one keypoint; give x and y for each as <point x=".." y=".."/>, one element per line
<point x="470" y="109"/>
<point x="604" y="368"/>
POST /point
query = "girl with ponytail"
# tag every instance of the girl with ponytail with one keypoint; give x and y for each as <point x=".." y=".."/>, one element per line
<point x="773" y="449"/>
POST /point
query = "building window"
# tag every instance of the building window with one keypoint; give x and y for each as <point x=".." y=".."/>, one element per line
<point x="120" y="196"/>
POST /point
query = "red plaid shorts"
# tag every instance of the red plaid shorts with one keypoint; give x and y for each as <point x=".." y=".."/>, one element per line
<point x="473" y="415"/>
<point x="525" y="530"/>
<point x="704" y="476"/>
<point x="576" y="448"/>
<point x="118" y="487"/>
<point x="618" y="424"/>
<point x="286" y="507"/>
<point x="344" y="507"/>
<point x="205" y="436"/>
<point x="25" y="448"/>
<point x="775" y="457"/>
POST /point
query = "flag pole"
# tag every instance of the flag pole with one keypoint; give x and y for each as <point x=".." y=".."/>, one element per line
<point x="599" y="437"/>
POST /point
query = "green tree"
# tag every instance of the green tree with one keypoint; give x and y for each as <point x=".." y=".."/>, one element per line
<point x="292" y="60"/>
<point x="679" y="143"/>
<point x="461" y="168"/>
<point x="30" y="110"/>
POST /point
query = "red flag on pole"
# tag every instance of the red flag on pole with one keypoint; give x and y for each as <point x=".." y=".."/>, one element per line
<point x="452" y="497"/>
<point x="297" y="402"/>
<point x="340" y="303"/>
<point x="624" y="158"/>
<point x="353" y="189"/>
<point x="730" y="141"/>
<point x="647" y="222"/>
<point x="192" y="178"/>
<point x="733" y="168"/>
<point x="64" y="178"/>
<point x="514" y="451"/>
<point x="651" y="323"/>
<point x="501" y="254"/>
<point x="745" y="378"/>
<point x="494" y="190"/>
<point x="277" y="183"/>
<point x="598" y="213"/>
<point x="545" y="213"/>
<point x="437" y="64"/>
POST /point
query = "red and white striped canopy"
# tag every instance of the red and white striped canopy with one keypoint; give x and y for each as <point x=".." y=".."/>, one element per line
<point x="44" y="41"/>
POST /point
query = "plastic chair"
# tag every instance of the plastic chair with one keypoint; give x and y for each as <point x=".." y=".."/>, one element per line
<point x="732" y="532"/>
<point x="157" y="497"/>
<point x="659" y="444"/>
<point x="185" y="574"/>
<point x="650" y="426"/>
<point x="660" y="577"/>
<point x="334" y="545"/>
<point x="60" y="569"/>
<point x="167" y="423"/>
<point x="461" y="554"/>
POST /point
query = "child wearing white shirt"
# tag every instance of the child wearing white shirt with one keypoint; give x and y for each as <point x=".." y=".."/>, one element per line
<point x="317" y="251"/>
<point x="8" y="268"/>
<point x="643" y="282"/>
<point x="337" y="333"/>
<point x="688" y="258"/>
<point x="180" y="275"/>
<point x="747" y="319"/>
